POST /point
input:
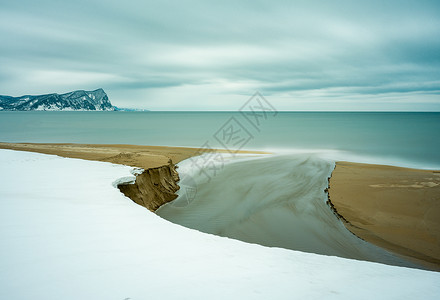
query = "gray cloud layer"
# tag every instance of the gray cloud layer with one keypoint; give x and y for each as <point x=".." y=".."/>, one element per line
<point x="188" y="55"/>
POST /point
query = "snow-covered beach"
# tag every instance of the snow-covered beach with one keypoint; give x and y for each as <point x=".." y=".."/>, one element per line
<point x="68" y="233"/>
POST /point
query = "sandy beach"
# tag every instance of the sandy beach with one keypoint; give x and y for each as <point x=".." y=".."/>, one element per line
<point x="395" y="208"/>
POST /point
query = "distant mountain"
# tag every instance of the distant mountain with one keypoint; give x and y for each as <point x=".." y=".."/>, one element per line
<point x="96" y="100"/>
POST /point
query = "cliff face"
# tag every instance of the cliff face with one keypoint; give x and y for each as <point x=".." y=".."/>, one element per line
<point x="154" y="187"/>
<point x="96" y="100"/>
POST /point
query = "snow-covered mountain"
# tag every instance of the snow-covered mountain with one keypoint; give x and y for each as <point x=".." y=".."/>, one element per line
<point x="77" y="100"/>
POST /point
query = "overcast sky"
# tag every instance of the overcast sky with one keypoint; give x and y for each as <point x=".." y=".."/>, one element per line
<point x="213" y="55"/>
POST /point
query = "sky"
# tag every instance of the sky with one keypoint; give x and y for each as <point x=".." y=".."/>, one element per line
<point x="214" y="55"/>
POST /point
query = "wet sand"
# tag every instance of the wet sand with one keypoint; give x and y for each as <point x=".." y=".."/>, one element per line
<point x="395" y="208"/>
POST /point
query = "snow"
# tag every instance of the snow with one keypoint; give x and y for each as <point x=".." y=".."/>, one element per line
<point x="67" y="233"/>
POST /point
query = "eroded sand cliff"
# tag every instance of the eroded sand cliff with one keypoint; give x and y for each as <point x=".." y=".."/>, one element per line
<point x="154" y="187"/>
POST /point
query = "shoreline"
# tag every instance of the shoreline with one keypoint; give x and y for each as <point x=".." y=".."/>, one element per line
<point x="367" y="198"/>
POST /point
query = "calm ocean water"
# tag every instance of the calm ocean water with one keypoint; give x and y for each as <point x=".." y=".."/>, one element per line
<point x="408" y="139"/>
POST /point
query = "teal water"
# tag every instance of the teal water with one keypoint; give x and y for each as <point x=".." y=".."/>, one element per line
<point x="408" y="139"/>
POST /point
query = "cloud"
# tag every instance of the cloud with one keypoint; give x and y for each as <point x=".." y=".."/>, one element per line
<point x="208" y="55"/>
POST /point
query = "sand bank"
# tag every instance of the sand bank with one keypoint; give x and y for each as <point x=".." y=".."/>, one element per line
<point x="395" y="208"/>
<point x="144" y="157"/>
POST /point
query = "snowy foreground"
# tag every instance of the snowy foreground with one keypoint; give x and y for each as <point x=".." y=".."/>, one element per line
<point x="67" y="233"/>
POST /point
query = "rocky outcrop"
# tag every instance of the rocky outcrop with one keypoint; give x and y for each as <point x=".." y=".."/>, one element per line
<point x="96" y="100"/>
<point x="154" y="187"/>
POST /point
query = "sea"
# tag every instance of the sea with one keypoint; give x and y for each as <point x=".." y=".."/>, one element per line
<point x="272" y="200"/>
<point x="410" y="139"/>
